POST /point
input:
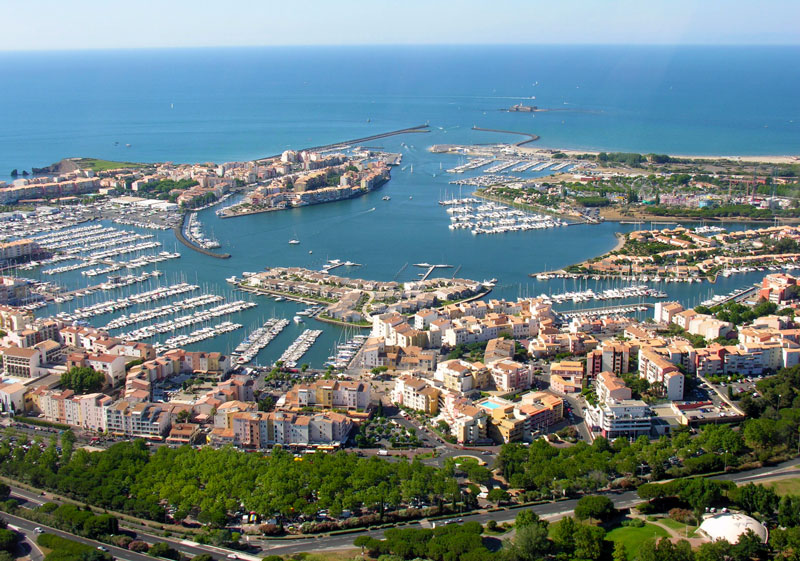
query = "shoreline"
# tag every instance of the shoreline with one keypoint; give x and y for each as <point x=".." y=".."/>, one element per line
<point x="734" y="158"/>
<point x="611" y="214"/>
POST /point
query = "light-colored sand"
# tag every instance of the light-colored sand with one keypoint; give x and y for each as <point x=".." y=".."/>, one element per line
<point x="758" y="159"/>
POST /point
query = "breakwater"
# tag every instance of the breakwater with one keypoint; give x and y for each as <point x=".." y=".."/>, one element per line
<point x="182" y="238"/>
<point x="417" y="129"/>
<point x="531" y="137"/>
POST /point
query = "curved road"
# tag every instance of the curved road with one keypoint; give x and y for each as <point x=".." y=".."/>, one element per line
<point x="328" y="543"/>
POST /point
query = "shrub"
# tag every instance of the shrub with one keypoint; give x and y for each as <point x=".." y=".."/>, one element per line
<point x="122" y="541"/>
<point x="270" y="529"/>
<point x="138" y="546"/>
<point x="682" y="515"/>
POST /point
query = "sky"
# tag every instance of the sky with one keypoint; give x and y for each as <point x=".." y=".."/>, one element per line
<point x="124" y="24"/>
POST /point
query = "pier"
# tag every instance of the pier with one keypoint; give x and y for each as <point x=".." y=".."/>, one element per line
<point x="431" y="268"/>
<point x="336" y="263"/>
<point x="417" y="129"/>
<point x="531" y="137"/>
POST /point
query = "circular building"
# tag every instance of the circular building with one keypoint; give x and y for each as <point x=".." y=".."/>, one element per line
<point x="730" y="526"/>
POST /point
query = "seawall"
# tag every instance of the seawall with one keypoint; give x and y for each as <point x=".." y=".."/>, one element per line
<point x="181" y="238"/>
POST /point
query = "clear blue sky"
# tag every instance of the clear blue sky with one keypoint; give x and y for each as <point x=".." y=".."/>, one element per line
<point x="93" y="24"/>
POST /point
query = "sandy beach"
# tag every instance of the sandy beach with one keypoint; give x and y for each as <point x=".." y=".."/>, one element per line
<point x="789" y="159"/>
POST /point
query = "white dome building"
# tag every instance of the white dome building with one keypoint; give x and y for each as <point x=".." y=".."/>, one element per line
<point x="730" y="526"/>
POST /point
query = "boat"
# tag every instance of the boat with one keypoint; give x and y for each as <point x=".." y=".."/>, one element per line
<point x="294" y="242"/>
<point x="232" y="280"/>
<point x="297" y="319"/>
<point x="387" y="198"/>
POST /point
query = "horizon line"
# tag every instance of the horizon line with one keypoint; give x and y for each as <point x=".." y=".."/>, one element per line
<point x="394" y="45"/>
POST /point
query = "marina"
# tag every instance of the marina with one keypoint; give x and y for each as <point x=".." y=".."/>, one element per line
<point x="493" y="218"/>
<point x="299" y="347"/>
<point x="185" y="321"/>
<point x="258" y="340"/>
<point x="634" y="291"/>
<point x="193" y="232"/>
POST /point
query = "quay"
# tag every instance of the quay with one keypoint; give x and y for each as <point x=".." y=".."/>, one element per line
<point x="417" y="129"/>
<point x="431" y="268"/>
<point x="178" y="229"/>
<point x="336" y="263"/>
<point x="531" y="137"/>
<point x="738" y="296"/>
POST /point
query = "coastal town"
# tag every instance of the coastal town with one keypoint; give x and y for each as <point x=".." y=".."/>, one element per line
<point x="436" y="372"/>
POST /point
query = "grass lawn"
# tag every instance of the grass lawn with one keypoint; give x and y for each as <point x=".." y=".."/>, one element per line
<point x="103" y="165"/>
<point x="633" y="538"/>
<point x="678" y="526"/>
<point x="786" y="486"/>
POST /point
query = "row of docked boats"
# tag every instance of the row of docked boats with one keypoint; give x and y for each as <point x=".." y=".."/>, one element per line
<point x="162" y="311"/>
<point x="299" y="347"/>
<point x="194" y="233"/>
<point x="111" y="306"/>
<point x="636" y="291"/>
<point x="493" y="218"/>
<point x="346" y="352"/>
<point x="190" y="320"/>
<point x="199" y="335"/>
<point x="259" y="339"/>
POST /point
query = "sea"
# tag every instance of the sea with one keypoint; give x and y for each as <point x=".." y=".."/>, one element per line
<point x="217" y="105"/>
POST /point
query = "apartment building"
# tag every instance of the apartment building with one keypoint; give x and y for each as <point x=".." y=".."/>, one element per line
<point x="329" y="394"/>
<point x="415" y="393"/>
<point x="659" y="371"/>
<point x="625" y="418"/>
<point x="509" y="375"/>
<point x="137" y="420"/>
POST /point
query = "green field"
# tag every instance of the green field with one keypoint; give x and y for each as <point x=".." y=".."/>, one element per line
<point x="103" y="165"/>
<point x="786" y="486"/>
<point x="678" y="526"/>
<point x="633" y="538"/>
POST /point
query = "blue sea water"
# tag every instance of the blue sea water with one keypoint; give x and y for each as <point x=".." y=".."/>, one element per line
<point x="230" y="104"/>
<point x="235" y="104"/>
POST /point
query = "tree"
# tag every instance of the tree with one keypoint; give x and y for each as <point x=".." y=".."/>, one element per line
<point x="8" y="540"/>
<point x="530" y="543"/>
<point x="665" y="550"/>
<point x="598" y="507"/>
<point x="589" y="542"/>
<point x="183" y="415"/>
<point x="497" y="495"/>
<point x="756" y="498"/>
<point x="82" y="380"/>
<point x="563" y="534"/>
<point x="162" y="549"/>
<point x="759" y="433"/>
<point x="619" y="552"/>
<point x="527" y="518"/>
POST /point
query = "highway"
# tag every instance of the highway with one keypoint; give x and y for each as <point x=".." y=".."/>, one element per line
<point x="550" y="511"/>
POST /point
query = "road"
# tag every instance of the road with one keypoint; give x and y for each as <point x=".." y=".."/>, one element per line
<point x="27" y="527"/>
<point x="549" y="511"/>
